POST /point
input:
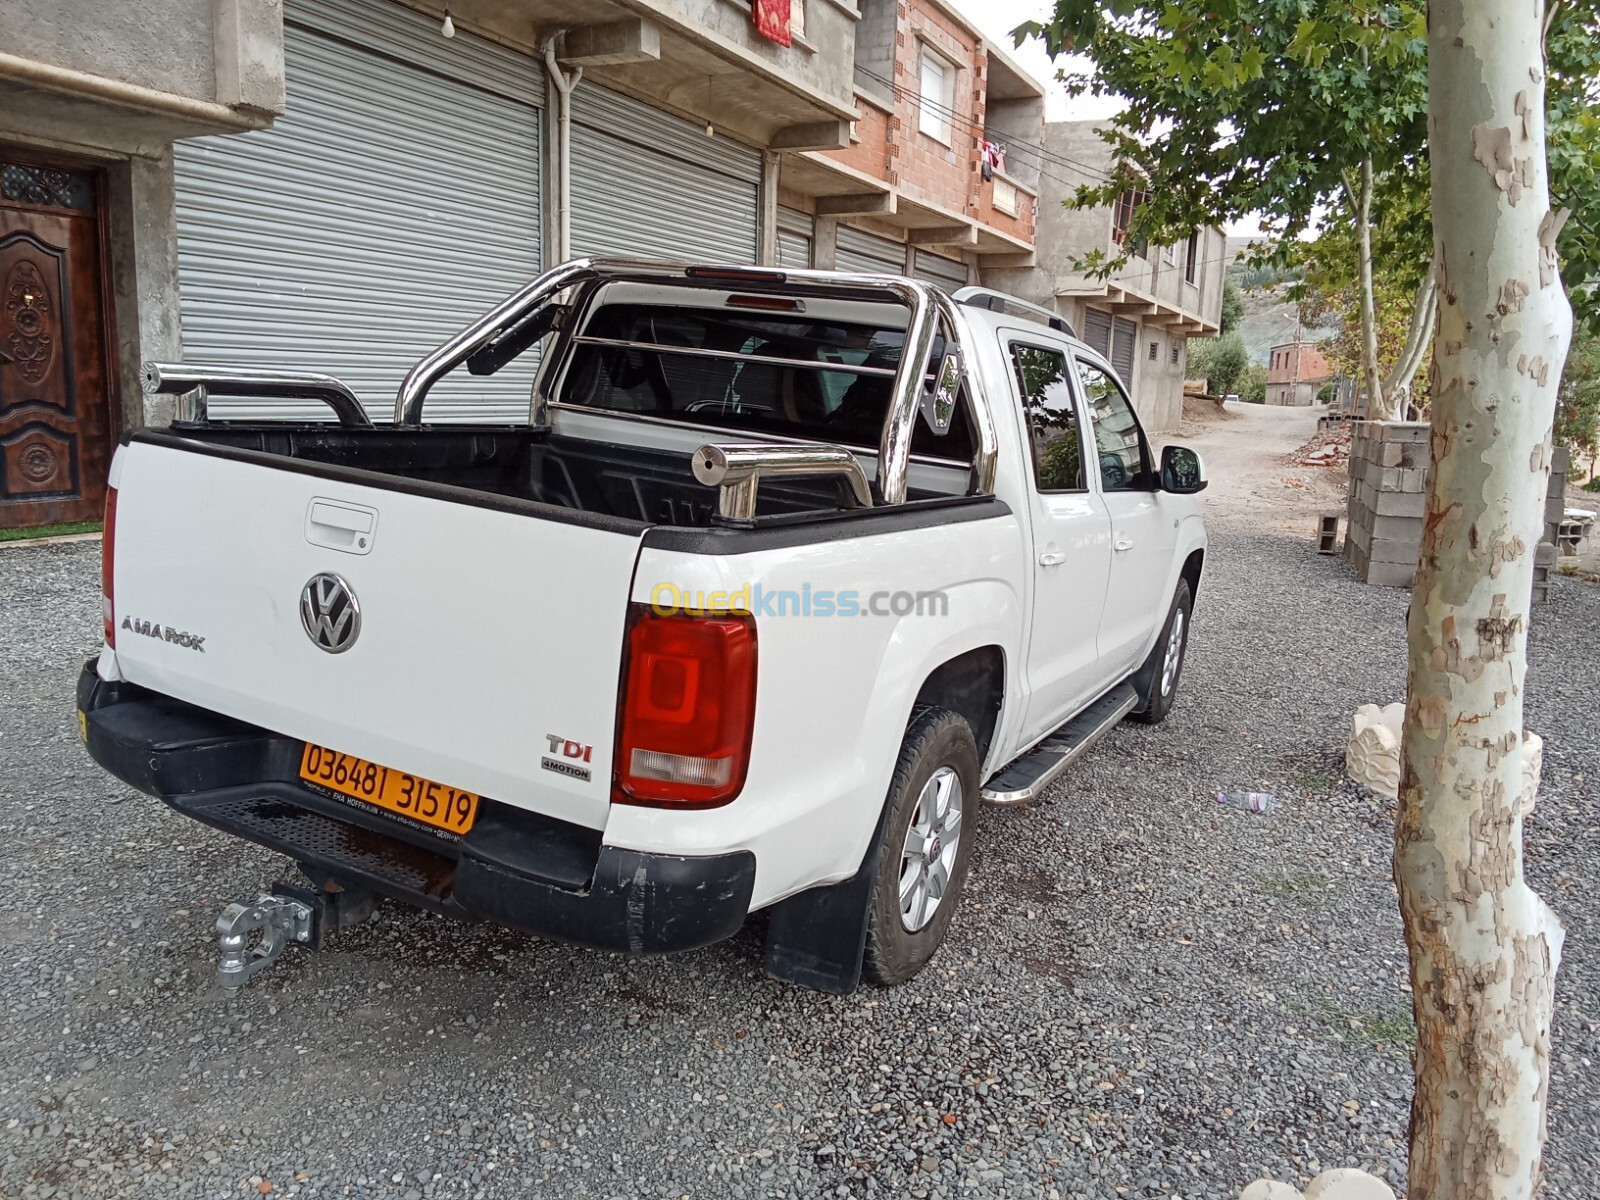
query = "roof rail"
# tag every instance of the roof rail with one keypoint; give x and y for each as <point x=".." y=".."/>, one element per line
<point x="980" y="297"/>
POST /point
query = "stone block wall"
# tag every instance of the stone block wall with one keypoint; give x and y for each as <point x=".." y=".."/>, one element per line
<point x="1555" y="508"/>
<point x="1388" y="478"/>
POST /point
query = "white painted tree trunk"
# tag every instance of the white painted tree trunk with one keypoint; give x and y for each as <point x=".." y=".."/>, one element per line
<point x="1379" y="407"/>
<point x="1484" y="948"/>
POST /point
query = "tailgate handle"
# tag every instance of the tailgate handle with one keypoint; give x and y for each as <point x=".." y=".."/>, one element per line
<point x="340" y="525"/>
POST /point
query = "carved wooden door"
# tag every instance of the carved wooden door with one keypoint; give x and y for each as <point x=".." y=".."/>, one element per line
<point x="56" y="421"/>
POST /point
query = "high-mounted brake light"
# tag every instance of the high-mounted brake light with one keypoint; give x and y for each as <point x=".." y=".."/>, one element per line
<point x="108" y="555"/>
<point x="737" y="274"/>
<point x="688" y="707"/>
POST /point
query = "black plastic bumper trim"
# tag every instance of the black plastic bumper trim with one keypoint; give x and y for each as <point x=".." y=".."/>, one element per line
<point x="515" y="868"/>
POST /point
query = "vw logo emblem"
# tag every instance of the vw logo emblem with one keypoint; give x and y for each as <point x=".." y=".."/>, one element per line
<point x="330" y="614"/>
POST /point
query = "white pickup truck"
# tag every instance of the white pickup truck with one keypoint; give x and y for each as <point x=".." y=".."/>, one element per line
<point x="786" y="572"/>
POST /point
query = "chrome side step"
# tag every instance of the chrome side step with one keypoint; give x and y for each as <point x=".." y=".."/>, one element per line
<point x="1036" y="770"/>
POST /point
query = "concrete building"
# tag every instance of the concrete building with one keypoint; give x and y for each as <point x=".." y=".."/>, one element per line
<point x="1143" y="315"/>
<point x="338" y="185"/>
<point x="1296" y="372"/>
<point x="909" y="193"/>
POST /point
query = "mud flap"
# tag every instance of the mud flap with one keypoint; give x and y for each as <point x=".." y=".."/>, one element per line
<point x="817" y="938"/>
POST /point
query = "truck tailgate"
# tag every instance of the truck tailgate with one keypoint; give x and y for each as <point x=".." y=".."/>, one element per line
<point x="485" y="629"/>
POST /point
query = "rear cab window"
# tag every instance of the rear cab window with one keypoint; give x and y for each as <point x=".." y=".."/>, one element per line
<point x="804" y="374"/>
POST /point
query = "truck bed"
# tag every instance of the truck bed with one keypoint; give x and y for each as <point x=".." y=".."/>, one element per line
<point x="630" y="483"/>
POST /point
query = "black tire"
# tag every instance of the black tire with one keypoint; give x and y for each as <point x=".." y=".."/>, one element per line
<point x="937" y="740"/>
<point x="1162" y="689"/>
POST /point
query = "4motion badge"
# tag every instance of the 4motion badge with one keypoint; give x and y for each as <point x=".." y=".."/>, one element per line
<point x="572" y="760"/>
<point x="330" y="613"/>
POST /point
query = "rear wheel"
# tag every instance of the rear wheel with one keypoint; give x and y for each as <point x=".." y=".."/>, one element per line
<point x="927" y="843"/>
<point x="1165" y="663"/>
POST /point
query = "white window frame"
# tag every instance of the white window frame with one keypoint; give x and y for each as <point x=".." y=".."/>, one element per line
<point x="934" y="118"/>
<point x="1169" y="255"/>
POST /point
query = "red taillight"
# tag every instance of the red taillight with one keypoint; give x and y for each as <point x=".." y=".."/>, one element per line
<point x="688" y="706"/>
<point x="108" y="554"/>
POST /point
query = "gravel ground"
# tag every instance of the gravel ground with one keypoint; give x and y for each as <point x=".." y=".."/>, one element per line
<point x="1144" y="995"/>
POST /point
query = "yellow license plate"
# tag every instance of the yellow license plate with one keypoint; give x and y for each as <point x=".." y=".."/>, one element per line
<point x="447" y="808"/>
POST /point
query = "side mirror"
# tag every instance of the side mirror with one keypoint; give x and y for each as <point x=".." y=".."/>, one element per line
<point x="1182" y="471"/>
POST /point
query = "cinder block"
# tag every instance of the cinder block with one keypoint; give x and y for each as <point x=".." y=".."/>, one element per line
<point x="1398" y="529"/>
<point x="1382" y="574"/>
<point x="1413" y="479"/>
<point x="1415" y="432"/>
<point x="1544" y="554"/>
<point x="1400" y="504"/>
<point x="1560" y="460"/>
<point x="1361" y="535"/>
<point x="1388" y="550"/>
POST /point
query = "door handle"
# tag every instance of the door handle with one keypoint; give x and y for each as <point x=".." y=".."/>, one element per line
<point x="1052" y="558"/>
<point x="341" y="525"/>
<point x="1122" y="543"/>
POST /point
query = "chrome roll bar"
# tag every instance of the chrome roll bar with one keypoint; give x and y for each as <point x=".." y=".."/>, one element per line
<point x="737" y="467"/>
<point x="414" y="388"/>
<point x="194" y="382"/>
<point x="928" y="308"/>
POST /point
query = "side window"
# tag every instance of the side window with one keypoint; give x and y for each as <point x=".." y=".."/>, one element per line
<point x="1118" y="440"/>
<point x="1051" y="416"/>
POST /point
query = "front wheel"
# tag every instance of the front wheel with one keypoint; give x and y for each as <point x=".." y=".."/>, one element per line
<point x="927" y="843"/>
<point x="1165" y="663"/>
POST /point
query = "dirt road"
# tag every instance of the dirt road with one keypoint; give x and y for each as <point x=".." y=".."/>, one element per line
<point x="1251" y="485"/>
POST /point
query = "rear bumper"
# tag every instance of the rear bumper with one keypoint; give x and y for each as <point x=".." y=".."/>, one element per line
<point x="514" y="868"/>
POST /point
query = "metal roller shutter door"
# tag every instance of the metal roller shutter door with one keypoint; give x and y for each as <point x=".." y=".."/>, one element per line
<point x="648" y="184"/>
<point x="1124" y="336"/>
<point x="392" y="204"/>
<point x="949" y="274"/>
<point x="855" y="250"/>
<point x="1097" y="330"/>
<point x="795" y="231"/>
<point x="793" y="250"/>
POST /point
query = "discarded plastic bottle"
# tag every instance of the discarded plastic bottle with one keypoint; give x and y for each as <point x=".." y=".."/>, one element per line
<point x="1256" y="802"/>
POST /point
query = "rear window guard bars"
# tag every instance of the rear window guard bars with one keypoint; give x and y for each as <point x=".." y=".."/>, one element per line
<point x="928" y="308"/>
<point x="737" y="466"/>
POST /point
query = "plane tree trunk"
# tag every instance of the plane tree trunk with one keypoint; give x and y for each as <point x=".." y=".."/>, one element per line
<point x="1484" y="947"/>
<point x="1359" y="197"/>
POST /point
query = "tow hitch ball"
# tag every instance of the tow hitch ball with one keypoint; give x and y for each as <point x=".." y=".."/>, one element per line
<point x="253" y="933"/>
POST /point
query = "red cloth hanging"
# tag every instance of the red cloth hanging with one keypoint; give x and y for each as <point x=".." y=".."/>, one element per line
<point x="772" y="20"/>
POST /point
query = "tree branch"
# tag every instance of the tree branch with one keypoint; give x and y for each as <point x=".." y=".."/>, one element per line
<point x="1397" y="386"/>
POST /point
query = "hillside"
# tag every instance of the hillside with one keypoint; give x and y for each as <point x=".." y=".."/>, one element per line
<point x="1270" y="319"/>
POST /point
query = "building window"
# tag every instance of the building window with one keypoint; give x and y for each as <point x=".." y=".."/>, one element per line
<point x="1155" y="351"/>
<point x="797" y="18"/>
<point x="1005" y="196"/>
<point x="1191" y="258"/>
<point x="1169" y="255"/>
<point x="1177" y="351"/>
<point x="937" y="76"/>
<point x="1122" y="216"/>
